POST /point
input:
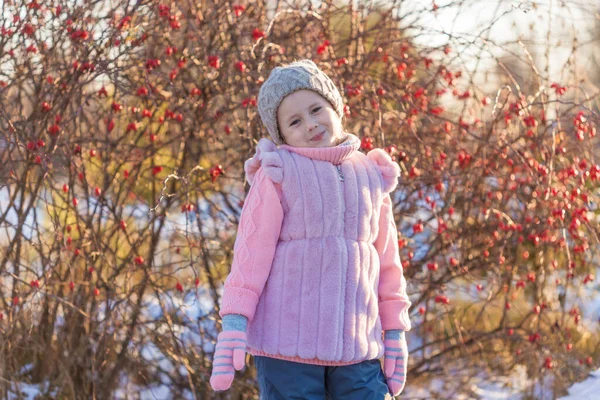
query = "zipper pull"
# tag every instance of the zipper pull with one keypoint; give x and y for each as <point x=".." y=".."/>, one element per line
<point x="340" y="175"/>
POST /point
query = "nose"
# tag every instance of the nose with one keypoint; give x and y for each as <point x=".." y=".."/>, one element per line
<point x="312" y="125"/>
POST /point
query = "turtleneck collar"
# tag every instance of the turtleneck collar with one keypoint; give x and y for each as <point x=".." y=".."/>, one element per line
<point x="335" y="155"/>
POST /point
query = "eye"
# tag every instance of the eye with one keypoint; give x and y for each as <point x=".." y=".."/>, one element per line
<point x="316" y="109"/>
<point x="294" y="122"/>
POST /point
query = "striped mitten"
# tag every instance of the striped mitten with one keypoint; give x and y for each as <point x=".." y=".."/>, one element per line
<point x="230" y="352"/>
<point x="395" y="360"/>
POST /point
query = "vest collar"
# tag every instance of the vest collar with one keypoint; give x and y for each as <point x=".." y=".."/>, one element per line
<point x="335" y="155"/>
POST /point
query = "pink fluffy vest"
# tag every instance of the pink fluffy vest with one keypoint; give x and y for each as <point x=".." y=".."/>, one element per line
<point x="320" y="303"/>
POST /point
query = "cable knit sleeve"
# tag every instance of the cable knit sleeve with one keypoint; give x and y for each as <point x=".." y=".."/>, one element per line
<point x="258" y="233"/>
<point x="393" y="300"/>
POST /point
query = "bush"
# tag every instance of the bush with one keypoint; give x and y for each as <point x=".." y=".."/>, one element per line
<point x="124" y="132"/>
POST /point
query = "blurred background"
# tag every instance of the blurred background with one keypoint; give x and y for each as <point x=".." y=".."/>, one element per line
<point x="124" y="126"/>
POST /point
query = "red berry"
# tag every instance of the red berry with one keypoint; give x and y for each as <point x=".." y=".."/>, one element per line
<point x="342" y="61"/>
<point x="156" y="170"/>
<point x="257" y="34"/>
<point x="132" y="126"/>
<point x="418" y="227"/>
<point x="54" y="129"/>
<point x="214" y="62"/>
<point x="366" y="143"/>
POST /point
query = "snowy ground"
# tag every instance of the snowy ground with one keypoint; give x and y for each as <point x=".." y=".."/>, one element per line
<point x="586" y="390"/>
<point x="191" y="307"/>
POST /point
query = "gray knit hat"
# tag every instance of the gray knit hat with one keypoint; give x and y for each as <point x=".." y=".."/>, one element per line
<point x="287" y="79"/>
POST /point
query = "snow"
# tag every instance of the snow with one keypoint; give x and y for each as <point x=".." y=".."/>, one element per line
<point x="26" y="391"/>
<point x="191" y="307"/>
<point x="586" y="390"/>
<point x="513" y="387"/>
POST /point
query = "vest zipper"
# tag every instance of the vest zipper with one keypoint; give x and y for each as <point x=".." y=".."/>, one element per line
<point x="340" y="175"/>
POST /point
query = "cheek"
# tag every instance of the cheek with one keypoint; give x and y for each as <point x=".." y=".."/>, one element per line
<point x="336" y="123"/>
<point x="331" y="119"/>
<point x="290" y="135"/>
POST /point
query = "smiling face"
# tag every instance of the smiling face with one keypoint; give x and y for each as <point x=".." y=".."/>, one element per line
<point x="306" y="119"/>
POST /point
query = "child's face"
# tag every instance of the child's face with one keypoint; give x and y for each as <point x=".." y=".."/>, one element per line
<point x="306" y="119"/>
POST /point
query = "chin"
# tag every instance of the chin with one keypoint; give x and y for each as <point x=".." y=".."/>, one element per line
<point x="334" y="141"/>
<point x="328" y="143"/>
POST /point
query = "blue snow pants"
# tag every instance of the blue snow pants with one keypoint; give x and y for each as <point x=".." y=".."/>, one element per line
<point x="287" y="380"/>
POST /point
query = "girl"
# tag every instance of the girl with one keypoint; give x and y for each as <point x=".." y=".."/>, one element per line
<point x="316" y="277"/>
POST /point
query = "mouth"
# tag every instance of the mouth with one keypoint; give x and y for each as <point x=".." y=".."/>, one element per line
<point x="317" y="137"/>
